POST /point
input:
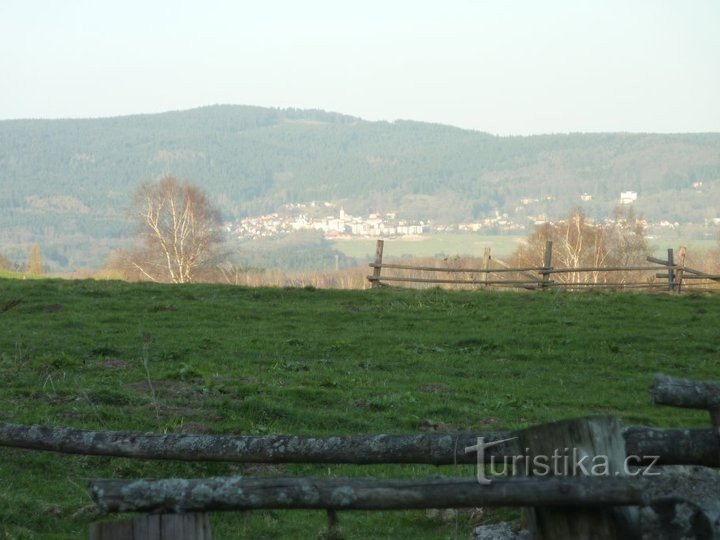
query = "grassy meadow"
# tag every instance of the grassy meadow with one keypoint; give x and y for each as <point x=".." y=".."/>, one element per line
<point x="237" y="360"/>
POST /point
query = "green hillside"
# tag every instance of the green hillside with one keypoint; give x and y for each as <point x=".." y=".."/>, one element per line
<point x="235" y="360"/>
<point x="66" y="183"/>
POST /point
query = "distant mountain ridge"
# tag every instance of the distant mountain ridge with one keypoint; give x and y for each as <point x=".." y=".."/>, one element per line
<point x="65" y="181"/>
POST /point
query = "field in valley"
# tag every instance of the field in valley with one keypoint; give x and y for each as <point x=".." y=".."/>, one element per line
<point x="501" y="246"/>
<point x="236" y="360"/>
<point x="431" y="245"/>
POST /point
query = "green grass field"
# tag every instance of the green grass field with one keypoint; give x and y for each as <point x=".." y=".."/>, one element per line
<point x="17" y="275"/>
<point x="303" y="361"/>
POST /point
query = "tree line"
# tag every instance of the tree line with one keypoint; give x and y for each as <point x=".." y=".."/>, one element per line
<point x="180" y="239"/>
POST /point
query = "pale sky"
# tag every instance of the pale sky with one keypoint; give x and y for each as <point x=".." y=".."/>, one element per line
<point x="503" y="66"/>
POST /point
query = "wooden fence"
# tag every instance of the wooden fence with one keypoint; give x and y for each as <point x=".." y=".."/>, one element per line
<point x="662" y="274"/>
<point x="563" y="505"/>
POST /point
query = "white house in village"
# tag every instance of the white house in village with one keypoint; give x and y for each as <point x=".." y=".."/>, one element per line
<point x="628" y="197"/>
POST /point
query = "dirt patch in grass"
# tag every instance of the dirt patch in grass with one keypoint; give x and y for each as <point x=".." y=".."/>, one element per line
<point x="434" y="388"/>
<point x="161" y="308"/>
<point x="165" y="389"/>
<point x="194" y="428"/>
<point x="115" y="363"/>
<point x="432" y="426"/>
<point x="7" y="306"/>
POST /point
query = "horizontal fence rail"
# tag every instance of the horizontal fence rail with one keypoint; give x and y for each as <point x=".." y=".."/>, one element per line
<point x="458" y="270"/>
<point x="586" y="269"/>
<point x="674" y="446"/>
<point x="686" y="393"/>
<point x="238" y="493"/>
<point x="458" y="281"/>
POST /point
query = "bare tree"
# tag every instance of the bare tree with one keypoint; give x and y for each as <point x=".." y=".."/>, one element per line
<point x="180" y="229"/>
<point x="627" y="242"/>
<point x="35" y="262"/>
<point x="577" y="242"/>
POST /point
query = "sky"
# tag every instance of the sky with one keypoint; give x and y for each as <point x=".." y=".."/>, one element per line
<point x="508" y="67"/>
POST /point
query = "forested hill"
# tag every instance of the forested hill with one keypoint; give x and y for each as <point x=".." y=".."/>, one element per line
<point x="63" y="177"/>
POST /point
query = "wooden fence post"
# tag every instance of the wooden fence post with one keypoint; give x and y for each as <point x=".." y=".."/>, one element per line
<point x="190" y="526"/>
<point x="596" y="443"/>
<point x="486" y="264"/>
<point x="680" y="270"/>
<point x="378" y="263"/>
<point x="547" y="264"/>
<point x="671" y="270"/>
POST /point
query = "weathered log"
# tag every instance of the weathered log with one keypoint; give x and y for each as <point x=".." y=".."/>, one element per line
<point x="674" y="446"/>
<point x="689" y="394"/>
<point x="191" y="526"/>
<point x="685" y="393"/>
<point x="429" y="448"/>
<point x="237" y="493"/>
<point x="597" y="444"/>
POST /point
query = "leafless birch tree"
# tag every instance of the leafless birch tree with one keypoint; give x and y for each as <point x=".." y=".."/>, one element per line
<point x="577" y="242"/>
<point x="180" y="231"/>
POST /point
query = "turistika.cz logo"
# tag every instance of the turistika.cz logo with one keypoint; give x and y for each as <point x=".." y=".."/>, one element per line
<point x="565" y="462"/>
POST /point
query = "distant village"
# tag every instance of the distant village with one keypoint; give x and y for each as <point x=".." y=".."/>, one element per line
<point x="335" y="223"/>
<point x="297" y="217"/>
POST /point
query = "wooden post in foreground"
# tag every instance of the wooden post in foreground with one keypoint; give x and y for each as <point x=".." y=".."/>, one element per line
<point x="591" y="446"/>
<point x="378" y="263"/>
<point x="191" y="526"/>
